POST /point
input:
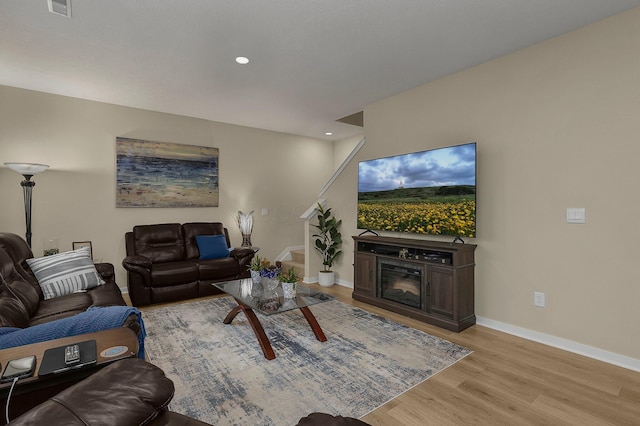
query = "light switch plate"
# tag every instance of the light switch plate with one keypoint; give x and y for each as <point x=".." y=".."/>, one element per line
<point x="576" y="215"/>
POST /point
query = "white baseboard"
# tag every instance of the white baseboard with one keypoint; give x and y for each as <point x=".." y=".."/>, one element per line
<point x="344" y="283"/>
<point x="564" y="344"/>
<point x="313" y="280"/>
<point x="556" y="342"/>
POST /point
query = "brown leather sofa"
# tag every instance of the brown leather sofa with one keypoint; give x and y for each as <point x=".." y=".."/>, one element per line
<point x="126" y="393"/>
<point x="163" y="262"/>
<point x="22" y="303"/>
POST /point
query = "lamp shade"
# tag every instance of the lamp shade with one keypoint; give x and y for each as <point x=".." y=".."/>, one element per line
<point x="27" y="168"/>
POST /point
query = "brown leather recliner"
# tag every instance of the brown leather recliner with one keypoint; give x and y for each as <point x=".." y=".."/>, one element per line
<point x="163" y="263"/>
<point x="129" y="392"/>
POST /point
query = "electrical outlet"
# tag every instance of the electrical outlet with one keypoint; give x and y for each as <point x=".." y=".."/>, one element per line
<point x="539" y="299"/>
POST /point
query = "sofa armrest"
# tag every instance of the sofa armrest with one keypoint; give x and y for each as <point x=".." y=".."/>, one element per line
<point x="106" y="271"/>
<point x="243" y="255"/>
<point x="137" y="262"/>
<point x="127" y="392"/>
<point x="139" y="265"/>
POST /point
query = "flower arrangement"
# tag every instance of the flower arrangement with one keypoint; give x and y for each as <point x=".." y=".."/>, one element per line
<point x="268" y="270"/>
<point x="269" y="276"/>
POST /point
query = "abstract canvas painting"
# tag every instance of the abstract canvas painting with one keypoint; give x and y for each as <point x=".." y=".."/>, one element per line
<point x="160" y="174"/>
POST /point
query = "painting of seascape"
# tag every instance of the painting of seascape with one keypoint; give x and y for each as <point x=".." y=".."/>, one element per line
<point x="159" y="174"/>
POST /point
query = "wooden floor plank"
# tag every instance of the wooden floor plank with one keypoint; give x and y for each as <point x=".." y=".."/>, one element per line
<point x="568" y="413"/>
<point x="512" y="381"/>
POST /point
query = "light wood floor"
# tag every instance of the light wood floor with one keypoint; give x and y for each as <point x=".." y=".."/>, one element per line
<point x="508" y="380"/>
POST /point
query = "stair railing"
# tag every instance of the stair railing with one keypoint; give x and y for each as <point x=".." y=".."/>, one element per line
<point x="311" y="212"/>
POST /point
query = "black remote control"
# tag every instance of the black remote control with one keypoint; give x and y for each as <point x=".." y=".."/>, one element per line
<point x="71" y="354"/>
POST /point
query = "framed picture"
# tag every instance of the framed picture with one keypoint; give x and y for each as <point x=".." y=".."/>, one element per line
<point x="79" y="244"/>
<point x="161" y="174"/>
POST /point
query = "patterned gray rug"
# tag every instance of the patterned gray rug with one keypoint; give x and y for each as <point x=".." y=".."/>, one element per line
<point x="222" y="377"/>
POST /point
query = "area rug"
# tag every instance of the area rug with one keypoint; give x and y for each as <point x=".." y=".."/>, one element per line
<point x="221" y="375"/>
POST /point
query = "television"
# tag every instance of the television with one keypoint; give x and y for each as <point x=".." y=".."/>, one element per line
<point x="429" y="192"/>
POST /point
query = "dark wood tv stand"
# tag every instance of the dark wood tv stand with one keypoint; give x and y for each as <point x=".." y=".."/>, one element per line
<point x="445" y="271"/>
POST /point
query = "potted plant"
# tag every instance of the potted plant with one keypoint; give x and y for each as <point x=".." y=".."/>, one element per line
<point x="327" y="243"/>
<point x="289" y="280"/>
<point x="255" y="266"/>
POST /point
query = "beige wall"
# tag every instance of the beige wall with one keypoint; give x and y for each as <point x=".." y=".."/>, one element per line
<point x="343" y="148"/>
<point x="557" y="126"/>
<point x="75" y="199"/>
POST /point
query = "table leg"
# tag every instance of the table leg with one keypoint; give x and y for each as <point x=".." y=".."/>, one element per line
<point x="267" y="350"/>
<point x="231" y="315"/>
<point x="314" y="324"/>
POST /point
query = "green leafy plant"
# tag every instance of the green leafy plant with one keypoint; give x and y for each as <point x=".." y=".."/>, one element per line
<point x="328" y="238"/>
<point x="256" y="263"/>
<point x="290" y="276"/>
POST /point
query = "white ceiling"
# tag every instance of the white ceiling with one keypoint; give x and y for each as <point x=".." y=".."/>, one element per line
<point x="312" y="61"/>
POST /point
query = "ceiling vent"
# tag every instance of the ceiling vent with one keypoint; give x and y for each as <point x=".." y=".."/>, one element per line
<point x="60" y="7"/>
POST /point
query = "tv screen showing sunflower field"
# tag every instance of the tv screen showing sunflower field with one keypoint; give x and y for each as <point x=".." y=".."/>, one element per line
<point x="429" y="192"/>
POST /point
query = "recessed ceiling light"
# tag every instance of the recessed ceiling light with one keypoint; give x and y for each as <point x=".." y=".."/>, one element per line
<point x="328" y="133"/>
<point x="242" y="60"/>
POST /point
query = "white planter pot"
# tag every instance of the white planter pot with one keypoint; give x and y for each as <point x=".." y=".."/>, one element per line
<point x="289" y="290"/>
<point x="326" y="278"/>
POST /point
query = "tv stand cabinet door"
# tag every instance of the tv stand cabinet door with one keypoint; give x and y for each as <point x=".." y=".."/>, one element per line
<point x="365" y="280"/>
<point x="441" y="291"/>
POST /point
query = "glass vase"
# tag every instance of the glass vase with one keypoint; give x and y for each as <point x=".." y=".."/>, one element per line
<point x="50" y="247"/>
<point x="269" y="284"/>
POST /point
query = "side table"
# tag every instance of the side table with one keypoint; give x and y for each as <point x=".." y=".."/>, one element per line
<point x="33" y="390"/>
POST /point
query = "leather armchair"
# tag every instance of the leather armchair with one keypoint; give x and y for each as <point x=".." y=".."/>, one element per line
<point x="126" y="393"/>
<point x="130" y="392"/>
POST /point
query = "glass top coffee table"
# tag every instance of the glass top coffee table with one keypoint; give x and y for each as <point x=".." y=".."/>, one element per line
<point x="252" y="298"/>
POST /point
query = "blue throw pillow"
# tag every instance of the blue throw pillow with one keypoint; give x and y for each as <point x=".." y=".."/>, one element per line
<point x="212" y="246"/>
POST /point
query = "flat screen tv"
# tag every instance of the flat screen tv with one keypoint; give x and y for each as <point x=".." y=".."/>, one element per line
<point x="428" y="192"/>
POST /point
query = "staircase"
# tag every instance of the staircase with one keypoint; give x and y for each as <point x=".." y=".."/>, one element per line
<point x="297" y="262"/>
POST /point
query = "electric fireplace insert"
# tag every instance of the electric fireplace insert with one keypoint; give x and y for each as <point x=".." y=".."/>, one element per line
<point x="401" y="282"/>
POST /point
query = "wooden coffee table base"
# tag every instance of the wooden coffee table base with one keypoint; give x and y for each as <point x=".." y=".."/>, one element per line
<point x="265" y="344"/>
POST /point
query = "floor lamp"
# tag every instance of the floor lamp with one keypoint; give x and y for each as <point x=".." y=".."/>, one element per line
<point x="27" y="170"/>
